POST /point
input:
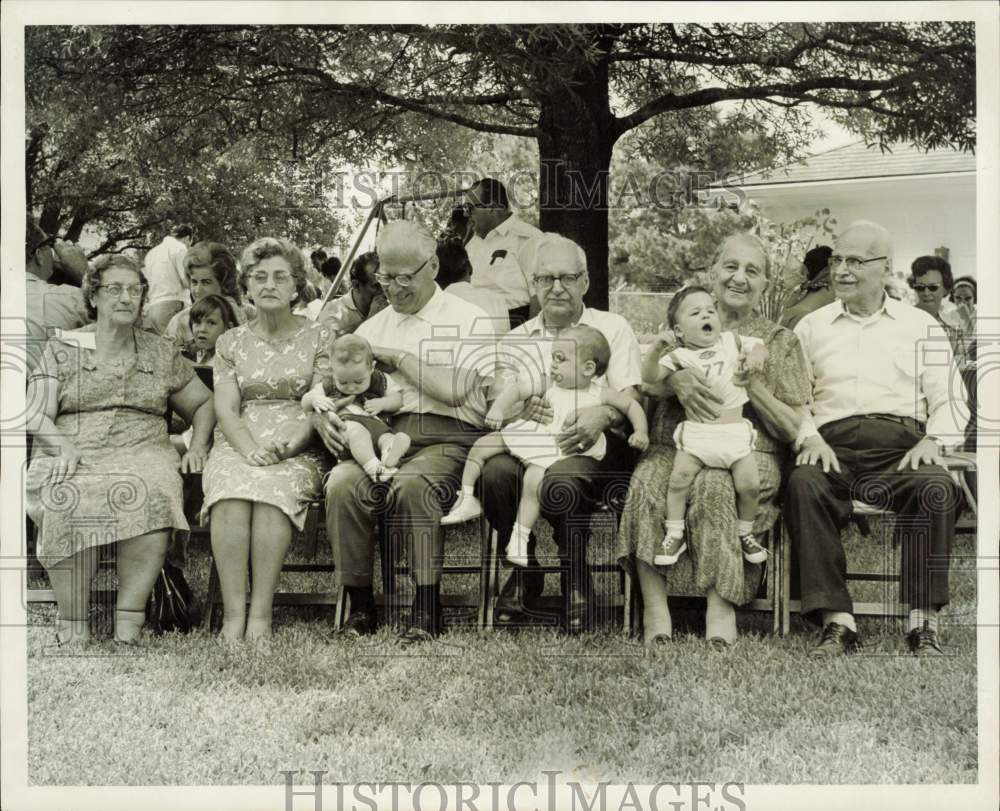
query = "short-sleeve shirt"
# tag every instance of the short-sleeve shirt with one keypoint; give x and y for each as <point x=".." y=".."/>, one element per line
<point x="718" y="363"/>
<point x="505" y="260"/>
<point x="528" y="348"/>
<point x="164" y="269"/>
<point x="341" y="315"/>
<point x="441" y="335"/>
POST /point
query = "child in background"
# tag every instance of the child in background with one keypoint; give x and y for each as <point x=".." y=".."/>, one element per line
<point x="358" y="392"/>
<point x="725" y="359"/>
<point x="211" y="270"/>
<point x="209" y="318"/>
<point x="580" y="355"/>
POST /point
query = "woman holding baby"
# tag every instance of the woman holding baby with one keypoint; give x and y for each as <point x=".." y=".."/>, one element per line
<point x="263" y="471"/>
<point x="710" y="559"/>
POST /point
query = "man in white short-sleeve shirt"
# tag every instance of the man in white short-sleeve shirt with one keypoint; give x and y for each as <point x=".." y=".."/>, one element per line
<point x="572" y="485"/>
<point x="502" y="249"/>
<point x="425" y="341"/>
<point x="167" y="277"/>
<point x="882" y="416"/>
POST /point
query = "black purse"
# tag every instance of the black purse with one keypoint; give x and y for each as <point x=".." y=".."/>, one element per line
<point x="172" y="606"/>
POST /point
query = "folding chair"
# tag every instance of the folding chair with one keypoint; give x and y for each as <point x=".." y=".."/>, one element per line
<point x="957" y="462"/>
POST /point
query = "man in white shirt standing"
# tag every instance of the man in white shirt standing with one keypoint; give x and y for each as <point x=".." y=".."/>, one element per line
<point x="882" y="417"/>
<point x="168" y="285"/>
<point x="454" y="272"/>
<point x="424" y="342"/>
<point x="503" y="248"/>
<point x="572" y="486"/>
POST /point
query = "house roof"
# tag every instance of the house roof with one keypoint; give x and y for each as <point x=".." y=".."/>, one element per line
<point x="857" y="161"/>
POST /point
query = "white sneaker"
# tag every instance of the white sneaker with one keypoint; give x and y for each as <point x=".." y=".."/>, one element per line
<point x="467" y="508"/>
<point x="517" y="550"/>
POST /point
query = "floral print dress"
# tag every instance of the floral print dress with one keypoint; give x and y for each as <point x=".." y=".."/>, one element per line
<point x="272" y="375"/>
<point x="128" y="482"/>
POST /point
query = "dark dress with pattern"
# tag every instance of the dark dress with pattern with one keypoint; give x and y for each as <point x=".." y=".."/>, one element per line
<point x="128" y="482"/>
<point x="713" y="556"/>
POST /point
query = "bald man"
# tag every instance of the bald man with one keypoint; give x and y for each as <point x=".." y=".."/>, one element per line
<point x="423" y="340"/>
<point x="881" y="419"/>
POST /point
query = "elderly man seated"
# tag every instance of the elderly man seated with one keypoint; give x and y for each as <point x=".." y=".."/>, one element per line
<point x="423" y="340"/>
<point x="572" y="485"/>
<point x="882" y="416"/>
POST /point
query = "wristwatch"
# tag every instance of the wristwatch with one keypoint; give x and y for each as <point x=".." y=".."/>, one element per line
<point x="398" y="359"/>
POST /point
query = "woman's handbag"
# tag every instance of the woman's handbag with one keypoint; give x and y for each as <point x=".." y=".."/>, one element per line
<point x="172" y="606"/>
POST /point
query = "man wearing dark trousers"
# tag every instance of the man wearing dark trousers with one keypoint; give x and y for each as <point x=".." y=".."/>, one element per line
<point x="573" y="486"/>
<point x="424" y="341"/>
<point x="881" y="419"/>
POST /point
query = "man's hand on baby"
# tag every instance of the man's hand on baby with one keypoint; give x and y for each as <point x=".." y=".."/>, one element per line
<point x="639" y="440"/>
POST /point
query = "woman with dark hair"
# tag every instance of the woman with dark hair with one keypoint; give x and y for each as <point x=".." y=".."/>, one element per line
<point x="211" y="270"/>
<point x="262" y="474"/>
<point x="103" y="470"/>
<point x="361" y="302"/>
<point x="714" y="564"/>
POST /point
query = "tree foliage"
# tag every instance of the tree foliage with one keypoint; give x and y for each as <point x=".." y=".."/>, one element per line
<point x="692" y="95"/>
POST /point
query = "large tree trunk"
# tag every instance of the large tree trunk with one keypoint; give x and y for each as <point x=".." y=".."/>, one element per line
<point x="574" y="147"/>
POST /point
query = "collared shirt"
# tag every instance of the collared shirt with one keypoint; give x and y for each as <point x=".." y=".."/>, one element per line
<point x="178" y="329"/>
<point x="341" y="315"/>
<point x="441" y="335"/>
<point x="48" y="307"/>
<point x="504" y="261"/>
<point x="897" y="361"/>
<point x="164" y="269"/>
<point x="528" y="349"/>
<point x="491" y="303"/>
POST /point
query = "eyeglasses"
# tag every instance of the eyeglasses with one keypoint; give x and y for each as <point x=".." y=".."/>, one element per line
<point x="920" y="288"/>
<point x="401" y="279"/>
<point x="115" y="290"/>
<point x="547" y="280"/>
<point x="852" y="262"/>
<point x="279" y="277"/>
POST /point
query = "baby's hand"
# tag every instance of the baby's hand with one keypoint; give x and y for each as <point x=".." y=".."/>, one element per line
<point x="323" y="403"/>
<point x="494" y="419"/>
<point x="639" y="440"/>
<point x="375" y="405"/>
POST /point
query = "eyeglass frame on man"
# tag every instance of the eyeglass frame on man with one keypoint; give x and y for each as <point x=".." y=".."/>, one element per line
<point x="851" y="262"/>
<point x="547" y="280"/>
<point x="384" y="280"/>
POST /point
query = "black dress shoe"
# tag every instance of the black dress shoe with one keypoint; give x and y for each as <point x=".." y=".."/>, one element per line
<point x="836" y="640"/>
<point x="423" y="627"/>
<point x="577" y="611"/>
<point x="923" y="642"/>
<point x="510" y="602"/>
<point x="360" y="623"/>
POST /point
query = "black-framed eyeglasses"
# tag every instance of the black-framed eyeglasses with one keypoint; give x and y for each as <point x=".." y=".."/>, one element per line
<point x="852" y="262"/>
<point x="115" y="290"/>
<point x="547" y="280"/>
<point x="401" y="279"/>
<point x="920" y="288"/>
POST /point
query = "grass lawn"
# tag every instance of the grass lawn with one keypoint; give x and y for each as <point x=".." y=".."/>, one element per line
<point x="483" y="707"/>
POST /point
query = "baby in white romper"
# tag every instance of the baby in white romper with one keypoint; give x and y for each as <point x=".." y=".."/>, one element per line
<point x="580" y="355"/>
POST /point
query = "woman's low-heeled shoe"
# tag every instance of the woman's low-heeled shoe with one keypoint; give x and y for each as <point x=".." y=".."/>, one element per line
<point x="659" y="640"/>
<point x="717" y="643"/>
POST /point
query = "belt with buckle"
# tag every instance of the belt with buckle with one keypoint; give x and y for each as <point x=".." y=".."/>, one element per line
<point x="906" y="422"/>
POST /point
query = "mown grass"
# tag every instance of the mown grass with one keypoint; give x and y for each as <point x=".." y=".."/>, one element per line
<point x="481" y="707"/>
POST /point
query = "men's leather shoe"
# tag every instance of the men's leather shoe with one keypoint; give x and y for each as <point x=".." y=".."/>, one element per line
<point x="923" y="642"/>
<point x="577" y="611"/>
<point x="360" y="623"/>
<point x="835" y="640"/>
<point x="423" y="627"/>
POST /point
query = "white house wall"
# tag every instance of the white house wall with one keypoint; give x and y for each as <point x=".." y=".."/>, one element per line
<point x="921" y="212"/>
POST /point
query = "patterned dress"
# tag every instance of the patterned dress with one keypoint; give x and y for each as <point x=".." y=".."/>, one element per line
<point x="128" y="482"/>
<point x="713" y="556"/>
<point x="272" y="375"/>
